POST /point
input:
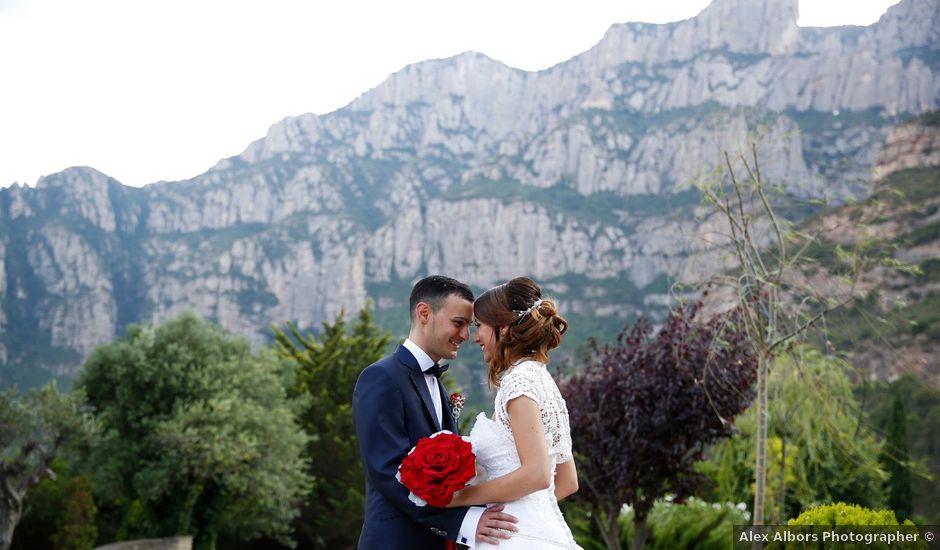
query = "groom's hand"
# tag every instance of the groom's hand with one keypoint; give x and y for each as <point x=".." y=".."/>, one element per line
<point x="495" y="524"/>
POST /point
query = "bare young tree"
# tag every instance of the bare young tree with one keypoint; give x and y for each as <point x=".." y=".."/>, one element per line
<point x="779" y="297"/>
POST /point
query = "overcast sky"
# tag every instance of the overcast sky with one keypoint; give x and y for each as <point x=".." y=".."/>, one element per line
<point x="147" y="90"/>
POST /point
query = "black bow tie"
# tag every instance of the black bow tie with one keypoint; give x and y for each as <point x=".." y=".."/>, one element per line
<point x="437" y="370"/>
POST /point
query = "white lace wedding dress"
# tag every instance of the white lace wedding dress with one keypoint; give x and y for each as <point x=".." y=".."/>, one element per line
<point x="541" y="525"/>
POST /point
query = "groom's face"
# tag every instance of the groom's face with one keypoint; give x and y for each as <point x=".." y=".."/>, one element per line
<point x="449" y="327"/>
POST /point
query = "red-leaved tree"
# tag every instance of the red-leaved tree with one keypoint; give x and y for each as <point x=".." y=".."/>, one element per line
<point x="648" y="406"/>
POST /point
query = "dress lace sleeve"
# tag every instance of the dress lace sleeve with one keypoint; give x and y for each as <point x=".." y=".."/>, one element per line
<point x="516" y="383"/>
<point x="531" y="379"/>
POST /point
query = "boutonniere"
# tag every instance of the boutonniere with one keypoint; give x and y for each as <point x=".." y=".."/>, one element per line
<point x="457" y="402"/>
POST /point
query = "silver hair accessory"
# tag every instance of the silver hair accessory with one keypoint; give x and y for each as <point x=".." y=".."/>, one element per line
<point x="535" y="305"/>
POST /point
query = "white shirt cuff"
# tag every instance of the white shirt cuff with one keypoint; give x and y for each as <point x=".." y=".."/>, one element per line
<point x="468" y="529"/>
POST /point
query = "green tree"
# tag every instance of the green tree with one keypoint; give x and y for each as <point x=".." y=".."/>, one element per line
<point x="819" y="450"/>
<point x="199" y="435"/>
<point x="65" y="503"/>
<point x="329" y="366"/>
<point x="41" y="509"/>
<point x="895" y="458"/>
<point x="33" y="431"/>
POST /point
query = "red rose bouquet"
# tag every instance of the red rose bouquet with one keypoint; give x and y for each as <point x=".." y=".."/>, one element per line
<point x="436" y="468"/>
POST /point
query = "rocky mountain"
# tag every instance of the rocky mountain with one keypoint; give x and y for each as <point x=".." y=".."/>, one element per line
<point x="582" y="176"/>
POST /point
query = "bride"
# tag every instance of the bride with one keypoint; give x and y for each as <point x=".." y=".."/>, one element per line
<point x="525" y="448"/>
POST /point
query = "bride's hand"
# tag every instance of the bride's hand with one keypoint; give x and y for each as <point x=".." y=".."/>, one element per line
<point x="458" y="500"/>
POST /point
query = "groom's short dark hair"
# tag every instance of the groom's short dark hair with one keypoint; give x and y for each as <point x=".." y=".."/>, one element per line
<point x="434" y="289"/>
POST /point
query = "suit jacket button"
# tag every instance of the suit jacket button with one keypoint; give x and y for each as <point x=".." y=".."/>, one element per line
<point x="439" y="532"/>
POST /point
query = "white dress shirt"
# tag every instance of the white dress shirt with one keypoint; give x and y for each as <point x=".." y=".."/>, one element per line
<point x="425" y="362"/>
<point x="468" y="528"/>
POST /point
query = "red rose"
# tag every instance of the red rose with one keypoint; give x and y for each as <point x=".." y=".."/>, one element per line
<point x="437" y="467"/>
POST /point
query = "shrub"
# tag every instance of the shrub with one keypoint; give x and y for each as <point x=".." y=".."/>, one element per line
<point x="842" y="520"/>
<point x="694" y="524"/>
<point x="845" y="514"/>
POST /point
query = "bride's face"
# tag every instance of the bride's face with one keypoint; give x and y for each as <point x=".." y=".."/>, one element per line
<point x="486" y="339"/>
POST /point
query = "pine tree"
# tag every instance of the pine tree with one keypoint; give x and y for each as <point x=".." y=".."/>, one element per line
<point x="328" y="367"/>
<point x="895" y="458"/>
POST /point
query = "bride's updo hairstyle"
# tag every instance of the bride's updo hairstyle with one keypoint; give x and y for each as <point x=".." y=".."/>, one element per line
<point x="533" y="324"/>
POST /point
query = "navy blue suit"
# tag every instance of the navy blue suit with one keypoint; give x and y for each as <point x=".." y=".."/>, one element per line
<point x="392" y="409"/>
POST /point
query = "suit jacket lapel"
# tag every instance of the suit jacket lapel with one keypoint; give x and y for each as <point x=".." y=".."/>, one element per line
<point x="417" y="378"/>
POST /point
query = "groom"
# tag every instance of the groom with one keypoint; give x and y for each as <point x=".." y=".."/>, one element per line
<point x="399" y="400"/>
